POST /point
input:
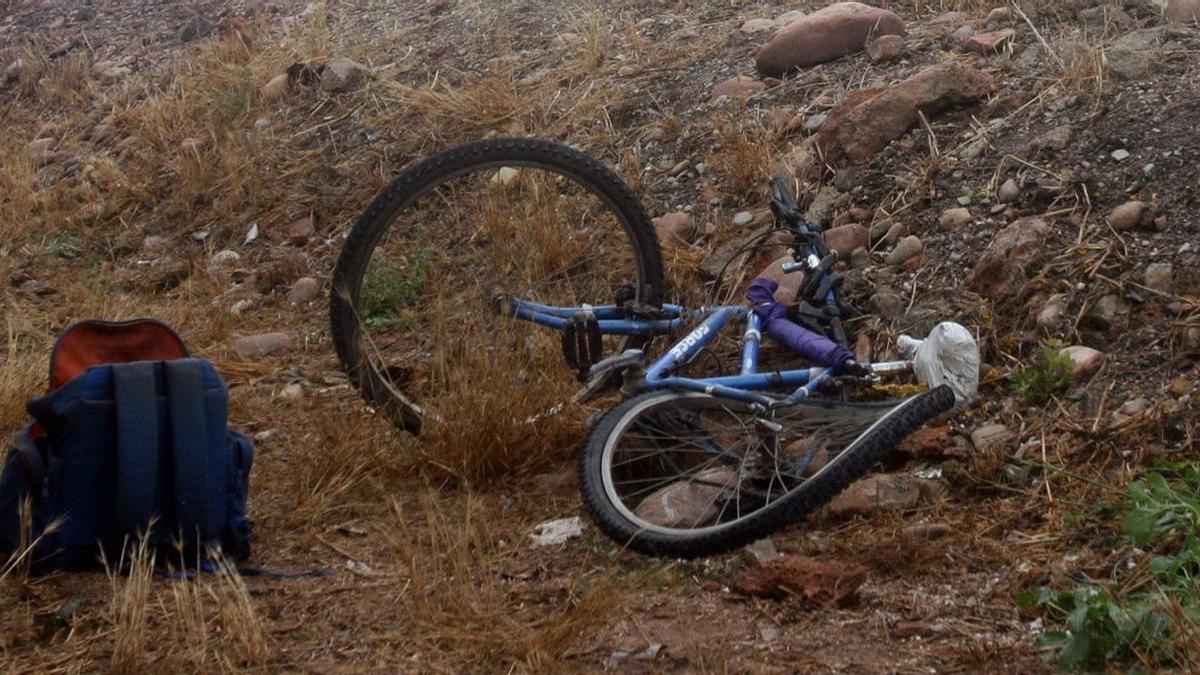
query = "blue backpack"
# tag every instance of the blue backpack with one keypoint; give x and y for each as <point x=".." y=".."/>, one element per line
<point x="131" y="440"/>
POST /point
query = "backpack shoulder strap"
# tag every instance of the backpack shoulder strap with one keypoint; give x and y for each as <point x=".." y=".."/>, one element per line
<point x="189" y="446"/>
<point x="137" y="445"/>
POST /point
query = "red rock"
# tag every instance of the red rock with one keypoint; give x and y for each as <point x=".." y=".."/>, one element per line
<point x="674" y="227"/>
<point x="1087" y="360"/>
<point x="1010" y="258"/>
<point x="304" y="291"/>
<point x="1127" y="216"/>
<point x="276" y="87"/>
<point x="740" y="86"/>
<point x="883" y="492"/>
<point x="300" y="230"/>
<point x="925" y="531"/>
<point x="985" y="44"/>
<point x="846" y="238"/>
<point x="262" y="345"/>
<point x="192" y="146"/>
<point x="933" y="442"/>
<point x="885" y="48"/>
<point x="867" y="121"/>
<point x="825" y="35"/>
<point x="826" y="583"/>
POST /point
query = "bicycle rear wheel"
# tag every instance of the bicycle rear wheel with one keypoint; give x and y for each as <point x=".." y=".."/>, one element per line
<point x="687" y="475"/>
<point x="413" y="307"/>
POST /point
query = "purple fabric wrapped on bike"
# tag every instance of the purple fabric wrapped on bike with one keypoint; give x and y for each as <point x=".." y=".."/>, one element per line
<point x="812" y="346"/>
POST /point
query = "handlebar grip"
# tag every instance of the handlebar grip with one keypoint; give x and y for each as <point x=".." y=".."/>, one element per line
<point x="793" y="266"/>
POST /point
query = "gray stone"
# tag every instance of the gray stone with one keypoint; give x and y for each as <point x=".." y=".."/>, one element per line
<point x="195" y="28"/>
<point x="1009" y="192"/>
<point x="888" y="304"/>
<point x="1134" y="407"/>
<point x="813" y="124"/>
<point x="1109" y="312"/>
<point x="341" y="74"/>
<point x="758" y="25"/>
<point x="908" y="248"/>
<point x="990" y="435"/>
<point x="693" y="503"/>
<point x="1052" y="312"/>
<point x="742" y="218"/>
<point x="225" y="258"/>
<point x="759" y="552"/>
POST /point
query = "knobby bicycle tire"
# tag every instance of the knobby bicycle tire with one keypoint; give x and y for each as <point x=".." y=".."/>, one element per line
<point x="851" y="464"/>
<point x="436" y="170"/>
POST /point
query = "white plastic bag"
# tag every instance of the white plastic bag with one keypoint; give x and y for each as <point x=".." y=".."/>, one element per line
<point x="948" y="356"/>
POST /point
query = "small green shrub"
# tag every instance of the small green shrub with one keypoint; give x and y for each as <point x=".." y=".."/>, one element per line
<point x="390" y="289"/>
<point x="1048" y="376"/>
<point x="1157" y="623"/>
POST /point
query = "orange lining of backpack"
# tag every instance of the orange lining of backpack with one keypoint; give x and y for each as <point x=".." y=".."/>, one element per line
<point x="94" y="341"/>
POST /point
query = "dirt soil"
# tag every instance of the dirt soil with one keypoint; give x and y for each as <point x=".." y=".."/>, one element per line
<point x="165" y="151"/>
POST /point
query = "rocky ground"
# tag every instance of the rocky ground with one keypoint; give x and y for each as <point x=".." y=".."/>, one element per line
<point x="1028" y="170"/>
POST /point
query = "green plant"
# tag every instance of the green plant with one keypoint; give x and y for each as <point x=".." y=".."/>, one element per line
<point x="389" y="289"/>
<point x="1048" y="376"/>
<point x="1155" y="620"/>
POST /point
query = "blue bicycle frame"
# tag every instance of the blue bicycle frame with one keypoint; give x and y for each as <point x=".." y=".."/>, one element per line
<point x="613" y="321"/>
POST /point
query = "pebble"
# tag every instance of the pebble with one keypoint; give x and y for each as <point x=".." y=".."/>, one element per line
<point x="760" y="552"/>
<point x="758" y="25"/>
<point x="225" y="258"/>
<point x="954" y="218"/>
<point x="1134" y="407"/>
<point x="1181" y="386"/>
<point x="277" y="87"/>
<point x="300" y="230"/>
<point x="1052" y="312"/>
<point x="908" y="248"/>
<point x="742" y="218"/>
<point x="1126" y="216"/>
<point x="674" y="227"/>
<point x="925" y="531"/>
<point x="1087" y="360"/>
<point x="1120" y="155"/>
<point x="964" y="200"/>
<point x="155" y="245"/>
<point x="990" y="435"/>
<point x="814" y="123"/>
<point x="304" y="291"/>
<point x="1159" y="276"/>
<point x="1008" y="192"/>
<point x="885" y="48"/>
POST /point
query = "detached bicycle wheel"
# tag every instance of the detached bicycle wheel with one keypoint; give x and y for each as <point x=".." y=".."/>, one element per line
<point x="687" y="475"/>
<point x="414" y="309"/>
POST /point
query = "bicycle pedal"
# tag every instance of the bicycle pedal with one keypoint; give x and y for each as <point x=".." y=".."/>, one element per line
<point x="582" y="344"/>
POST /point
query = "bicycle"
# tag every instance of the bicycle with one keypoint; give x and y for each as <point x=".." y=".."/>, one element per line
<point x="684" y="466"/>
